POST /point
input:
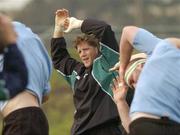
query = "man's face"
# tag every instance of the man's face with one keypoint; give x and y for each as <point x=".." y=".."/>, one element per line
<point x="135" y="75"/>
<point x="87" y="53"/>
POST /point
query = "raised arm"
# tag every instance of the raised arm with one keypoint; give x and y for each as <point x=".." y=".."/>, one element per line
<point x="100" y="29"/>
<point x="8" y="35"/>
<point x="14" y="74"/>
<point x="138" y="38"/>
<point x="126" y="49"/>
<point x="62" y="60"/>
<point x="61" y="23"/>
<point x="119" y="96"/>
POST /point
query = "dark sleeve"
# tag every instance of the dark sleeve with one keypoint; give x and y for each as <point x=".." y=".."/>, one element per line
<point x="102" y="31"/>
<point x="14" y="71"/>
<point x="62" y="61"/>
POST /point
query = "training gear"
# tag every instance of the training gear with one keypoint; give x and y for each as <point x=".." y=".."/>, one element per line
<point x="73" y="23"/>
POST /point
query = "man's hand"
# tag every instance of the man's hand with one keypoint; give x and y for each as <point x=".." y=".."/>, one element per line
<point x="61" y="22"/>
<point x="7" y="34"/>
<point x="115" y="67"/>
<point x="119" y="91"/>
<point x="61" y="16"/>
<point x="72" y="23"/>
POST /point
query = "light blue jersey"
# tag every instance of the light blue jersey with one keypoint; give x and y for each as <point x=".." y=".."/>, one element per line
<point x="37" y="60"/>
<point x="145" y="41"/>
<point x="158" y="88"/>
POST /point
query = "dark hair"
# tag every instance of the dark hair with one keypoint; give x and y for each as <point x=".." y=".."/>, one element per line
<point x="90" y="39"/>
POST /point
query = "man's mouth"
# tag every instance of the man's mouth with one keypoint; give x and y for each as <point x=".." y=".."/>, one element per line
<point x="85" y="60"/>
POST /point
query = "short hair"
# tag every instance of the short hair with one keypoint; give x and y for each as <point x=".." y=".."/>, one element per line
<point x="90" y="39"/>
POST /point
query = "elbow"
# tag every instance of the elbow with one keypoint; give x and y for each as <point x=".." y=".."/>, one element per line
<point x="56" y="65"/>
<point x="129" y="29"/>
<point x="128" y="34"/>
<point x="107" y="27"/>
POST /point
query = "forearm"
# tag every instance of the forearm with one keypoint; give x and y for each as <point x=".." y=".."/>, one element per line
<point x="62" y="60"/>
<point x="92" y="26"/>
<point x="126" y="45"/>
<point x="14" y="61"/>
<point x="101" y="30"/>
<point x="7" y="33"/>
<point x="14" y="71"/>
<point x="125" y="52"/>
<point x="58" y="51"/>
<point x="58" y="32"/>
<point x="123" y="110"/>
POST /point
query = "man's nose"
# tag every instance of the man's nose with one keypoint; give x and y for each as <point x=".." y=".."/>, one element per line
<point x="83" y="54"/>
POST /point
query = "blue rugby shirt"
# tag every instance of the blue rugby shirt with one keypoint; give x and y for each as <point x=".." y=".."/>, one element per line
<point x="38" y="62"/>
<point x="158" y="88"/>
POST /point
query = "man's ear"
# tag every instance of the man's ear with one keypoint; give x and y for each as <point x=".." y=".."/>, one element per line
<point x="97" y="50"/>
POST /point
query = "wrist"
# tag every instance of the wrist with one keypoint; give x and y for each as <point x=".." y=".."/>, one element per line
<point x="79" y="23"/>
<point x="58" y="31"/>
<point x="73" y="24"/>
<point x="120" y="102"/>
<point x="58" y="28"/>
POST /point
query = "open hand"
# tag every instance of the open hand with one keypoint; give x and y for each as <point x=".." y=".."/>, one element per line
<point x="61" y="19"/>
<point x="119" y="90"/>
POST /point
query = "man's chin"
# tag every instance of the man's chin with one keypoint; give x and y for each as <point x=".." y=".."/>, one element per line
<point x="87" y="65"/>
